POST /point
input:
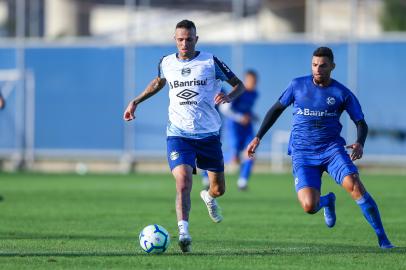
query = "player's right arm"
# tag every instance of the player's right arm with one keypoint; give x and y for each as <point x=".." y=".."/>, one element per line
<point x="153" y="87"/>
<point x="270" y="118"/>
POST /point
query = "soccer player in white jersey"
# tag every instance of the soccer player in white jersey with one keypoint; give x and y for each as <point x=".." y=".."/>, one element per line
<point x="194" y="80"/>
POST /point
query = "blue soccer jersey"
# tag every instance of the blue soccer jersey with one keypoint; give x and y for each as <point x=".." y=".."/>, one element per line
<point x="244" y="104"/>
<point x="316" y="114"/>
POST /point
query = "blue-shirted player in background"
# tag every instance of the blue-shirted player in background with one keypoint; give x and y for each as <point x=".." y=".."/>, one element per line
<point x="193" y="130"/>
<point x="2" y="105"/>
<point x="239" y="126"/>
<point x="316" y="145"/>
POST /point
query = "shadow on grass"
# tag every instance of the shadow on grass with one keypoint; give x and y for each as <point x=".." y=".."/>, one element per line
<point x="22" y="236"/>
<point x="271" y="249"/>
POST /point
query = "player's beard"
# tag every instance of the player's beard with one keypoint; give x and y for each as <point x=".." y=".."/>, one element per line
<point x="321" y="80"/>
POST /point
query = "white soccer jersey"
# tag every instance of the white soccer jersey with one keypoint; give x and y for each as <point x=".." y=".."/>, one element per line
<point x="193" y="85"/>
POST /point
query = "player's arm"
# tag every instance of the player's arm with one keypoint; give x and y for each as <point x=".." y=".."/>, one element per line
<point x="2" y="102"/>
<point x="358" y="146"/>
<point x="238" y="89"/>
<point x="153" y="87"/>
<point x="224" y="73"/>
<point x="270" y="118"/>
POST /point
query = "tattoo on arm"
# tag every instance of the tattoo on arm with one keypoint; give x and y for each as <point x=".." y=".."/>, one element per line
<point x="153" y="87"/>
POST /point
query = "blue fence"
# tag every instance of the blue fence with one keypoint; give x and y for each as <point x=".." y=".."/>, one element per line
<point x="79" y="92"/>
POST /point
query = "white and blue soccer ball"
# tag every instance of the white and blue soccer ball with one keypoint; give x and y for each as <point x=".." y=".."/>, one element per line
<point x="154" y="239"/>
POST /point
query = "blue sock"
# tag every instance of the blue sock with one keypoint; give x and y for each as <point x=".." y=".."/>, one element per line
<point x="246" y="168"/>
<point x="371" y="214"/>
<point x="324" y="201"/>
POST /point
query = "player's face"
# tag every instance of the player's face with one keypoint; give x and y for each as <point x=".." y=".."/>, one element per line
<point x="186" y="40"/>
<point x="321" y="69"/>
<point x="250" y="82"/>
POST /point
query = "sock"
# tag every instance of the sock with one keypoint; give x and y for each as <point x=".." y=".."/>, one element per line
<point x="324" y="201"/>
<point x="371" y="214"/>
<point x="183" y="226"/>
<point x="209" y="196"/>
<point x="246" y="168"/>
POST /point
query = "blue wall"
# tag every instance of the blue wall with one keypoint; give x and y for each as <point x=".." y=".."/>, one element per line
<point x="80" y="91"/>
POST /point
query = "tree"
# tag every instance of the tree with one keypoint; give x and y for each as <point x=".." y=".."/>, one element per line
<point x="394" y="15"/>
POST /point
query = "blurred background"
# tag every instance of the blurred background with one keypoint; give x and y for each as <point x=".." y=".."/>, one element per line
<point x="68" y="68"/>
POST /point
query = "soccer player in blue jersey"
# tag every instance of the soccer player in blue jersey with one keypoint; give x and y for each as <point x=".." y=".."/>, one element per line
<point x="316" y="145"/>
<point x="239" y="126"/>
<point x="194" y="79"/>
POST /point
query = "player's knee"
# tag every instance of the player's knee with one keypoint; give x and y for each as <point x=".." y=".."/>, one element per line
<point x="309" y="207"/>
<point x="354" y="186"/>
<point x="184" y="186"/>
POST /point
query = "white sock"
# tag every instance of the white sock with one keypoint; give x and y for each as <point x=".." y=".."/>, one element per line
<point x="209" y="196"/>
<point x="183" y="226"/>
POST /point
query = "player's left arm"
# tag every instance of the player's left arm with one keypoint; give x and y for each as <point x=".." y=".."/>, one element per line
<point x="224" y="73"/>
<point x="353" y="107"/>
<point x="358" y="146"/>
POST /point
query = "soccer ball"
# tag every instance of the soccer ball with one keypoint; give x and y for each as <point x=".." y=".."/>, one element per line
<point x="154" y="239"/>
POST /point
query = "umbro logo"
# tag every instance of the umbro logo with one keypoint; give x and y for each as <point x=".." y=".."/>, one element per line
<point x="185" y="72"/>
<point x="187" y="94"/>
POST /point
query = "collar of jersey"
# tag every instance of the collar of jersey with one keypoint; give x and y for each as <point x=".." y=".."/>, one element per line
<point x="188" y="60"/>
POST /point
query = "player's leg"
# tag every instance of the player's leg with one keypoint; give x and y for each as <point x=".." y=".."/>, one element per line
<point x="183" y="178"/>
<point x="246" y="163"/>
<point x="217" y="189"/>
<point x="345" y="173"/>
<point x="210" y="157"/>
<point x="307" y="184"/>
<point x="181" y="159"/>
<point x="353" y="185"/>
<point x="233" y="154"/>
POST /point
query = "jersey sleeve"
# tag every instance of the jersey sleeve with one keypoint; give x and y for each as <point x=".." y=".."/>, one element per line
<point x="223" y="72"/>
<point x="287" y="96"/>
<point x="353" y="108"/>
<point x="160" y="72"/>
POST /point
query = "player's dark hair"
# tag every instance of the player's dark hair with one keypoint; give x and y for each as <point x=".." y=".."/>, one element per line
<point x="324" y="52"/>
<point x="252" y="72"/>
<point x="186" y="24"/>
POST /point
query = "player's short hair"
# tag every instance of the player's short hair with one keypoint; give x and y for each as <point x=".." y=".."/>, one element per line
<point x="186" y="24"/>
<point x="252" y="73"/>
<point x="324" y="52"/>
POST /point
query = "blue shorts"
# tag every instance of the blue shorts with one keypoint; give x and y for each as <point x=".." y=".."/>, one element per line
<point x="204" y="153"/>
<point x="307" y="170"/>
<point x="239" y="137"/>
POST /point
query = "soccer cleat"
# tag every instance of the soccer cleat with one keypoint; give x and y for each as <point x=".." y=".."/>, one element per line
<point x="330" y="211"/>
<point x="185" y="243"/>
<point x="242" y="184"/>
<point x="212" y="207"/>
<point x="384" y="243"/>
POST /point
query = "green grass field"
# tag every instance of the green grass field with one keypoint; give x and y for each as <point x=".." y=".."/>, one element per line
<point x="93" y="221"/>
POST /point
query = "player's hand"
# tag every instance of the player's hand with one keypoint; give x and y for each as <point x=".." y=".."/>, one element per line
<point x="252" y="147"/>
<point x="2" y="103"/>
<point x="357" y="151"/>
<point x="129" y="112"/>
<point x="221" y="98"/>
<point x="245" y="119"/>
